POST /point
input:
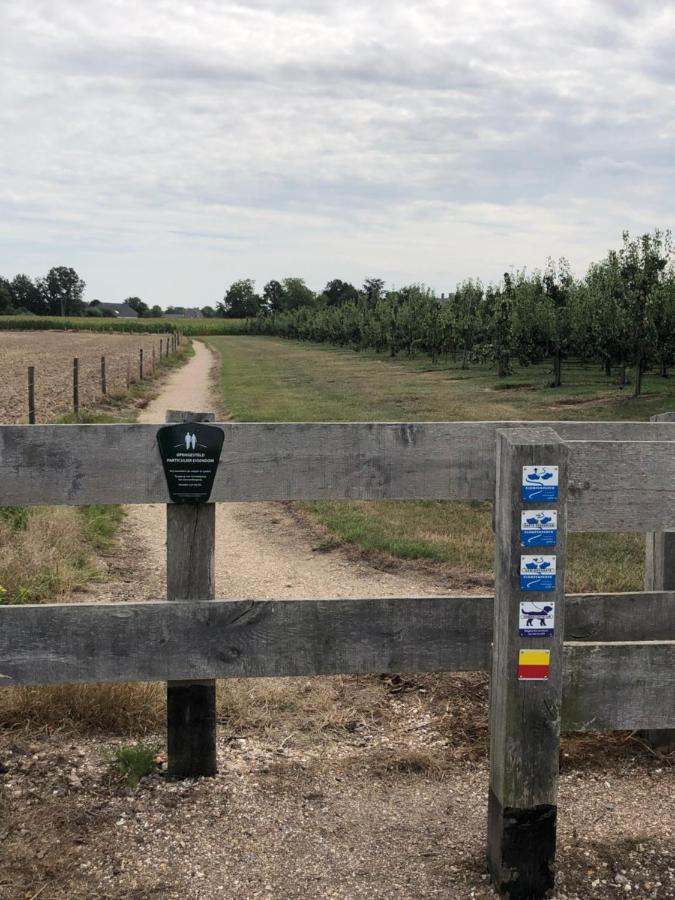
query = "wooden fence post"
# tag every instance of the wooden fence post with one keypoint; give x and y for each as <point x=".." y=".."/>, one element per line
<point x="526" y="683"/>
<point x="31" y="395"/>
<point x="76" y="386"/>
<point x="153" y="359"/>
<point x="161" y="349"/>
<point x="104" y="385"/>
<point x="660" y="576"/>
<point x="140" y="364"/>
<point x="128" y="373"/>
<point x="190" y="575"/>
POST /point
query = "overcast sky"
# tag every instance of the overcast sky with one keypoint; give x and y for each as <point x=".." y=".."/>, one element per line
<point x="165" y="148"/>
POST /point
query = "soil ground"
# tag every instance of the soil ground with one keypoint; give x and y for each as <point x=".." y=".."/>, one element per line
<point x="51" y="353"/>
<point x="328" y="788"/>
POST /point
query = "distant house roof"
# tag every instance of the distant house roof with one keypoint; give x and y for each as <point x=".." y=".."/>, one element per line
<point x="120" y="310"/>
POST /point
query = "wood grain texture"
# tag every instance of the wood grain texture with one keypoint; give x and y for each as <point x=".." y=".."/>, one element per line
<point x="619" y="685"/>
<point x="53" y="644"/>
<point x="79" y="464"/>
<point x="524" y="715"/>
<point x="190" y="551"/>
<point x="660" y="576"/>
<point x="645" y="616"/>
<point x="190" y="576"/>
<point x="624" y="486"/>
<point x="660" y="547"/>
<point x="157" y="641"/>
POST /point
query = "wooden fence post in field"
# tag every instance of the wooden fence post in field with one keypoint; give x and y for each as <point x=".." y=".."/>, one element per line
<point x="128" y="373"/>
<point x="153" y="359"/>
<point x="161" y="348"/>
<point x="76" y="386"/>
<point x="31" y="395"/>
<point x="190" y="575"/>
<point x="140" y="364"/>
<point x="660" y="576"/>
<point x="526" y="682"/>
<point x="104" y="384"/>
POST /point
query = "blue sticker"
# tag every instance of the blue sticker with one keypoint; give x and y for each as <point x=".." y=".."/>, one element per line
<point x="538" y="528"/>
<point x="536" y="619"/>
<point x="540" y="483"/>
<point x="537" y="573"/>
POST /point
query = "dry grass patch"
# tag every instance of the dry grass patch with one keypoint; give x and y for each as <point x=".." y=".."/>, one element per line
<point x="300" y="710"/>
<point x="45" y="554"/>
<point x="125" y="708"/>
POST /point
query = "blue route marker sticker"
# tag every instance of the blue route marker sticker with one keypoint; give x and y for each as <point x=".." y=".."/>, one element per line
<point x="536" y="619"/>
<point x="538" y="528"/>
<point x="537" y="573"/>
<point x="540" y="483"/>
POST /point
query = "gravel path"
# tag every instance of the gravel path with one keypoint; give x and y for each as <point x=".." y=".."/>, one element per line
<point x="261" y="550"/>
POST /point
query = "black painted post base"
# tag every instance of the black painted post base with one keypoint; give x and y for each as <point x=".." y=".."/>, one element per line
<point x="521" y="849"/>
<point x="191" y="729"/>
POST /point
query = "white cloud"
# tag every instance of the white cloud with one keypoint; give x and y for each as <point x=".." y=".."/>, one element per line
<point x="165" y="148"/>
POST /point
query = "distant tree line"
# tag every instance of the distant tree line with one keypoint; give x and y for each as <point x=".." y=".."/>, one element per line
<point x="620" y="314"/>
<point x="59" y="293"/>
<point x="242" y="302"/>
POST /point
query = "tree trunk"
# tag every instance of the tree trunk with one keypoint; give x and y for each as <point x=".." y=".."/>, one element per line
<point x="638" y="378"/>
<point x="557" y="369"/>
<point x="503" y="366"/>
<point x="663" y="371"/>
<point x="608" y="367"/>
<point x="622" y="376"/>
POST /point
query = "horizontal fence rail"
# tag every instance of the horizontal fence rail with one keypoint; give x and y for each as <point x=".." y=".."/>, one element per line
<point x="629" y="486"/>
<point x="627" y="681"/>
<point x="618" y="685"/>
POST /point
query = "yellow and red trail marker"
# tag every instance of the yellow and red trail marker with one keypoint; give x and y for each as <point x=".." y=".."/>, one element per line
<point x="534" y="665"/>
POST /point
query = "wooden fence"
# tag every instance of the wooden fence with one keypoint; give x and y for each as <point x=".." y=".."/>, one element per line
<point x="604" y="660"/>
<point x="103" y="382"/>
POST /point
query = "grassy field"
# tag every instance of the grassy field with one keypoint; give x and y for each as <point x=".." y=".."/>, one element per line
<point x="268" y="379"/>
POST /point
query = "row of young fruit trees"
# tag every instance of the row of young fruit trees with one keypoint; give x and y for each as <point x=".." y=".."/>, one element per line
<point x="621" y="314"/>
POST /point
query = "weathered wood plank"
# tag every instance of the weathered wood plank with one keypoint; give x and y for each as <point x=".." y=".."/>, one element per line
<point x="642" y="616"/>
<point x="190" y="576"/>
<point x="619" y="685"/>
<point x="55" y="644"/>
<point x="660" y="576"/>
<point x="78" y="643"/>
<point x="80" y="464"/>
<point x="625" y="486"/>
<point x="526" y="679"/>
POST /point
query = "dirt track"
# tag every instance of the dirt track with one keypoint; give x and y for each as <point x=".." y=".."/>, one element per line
<point x="260" y="549"/>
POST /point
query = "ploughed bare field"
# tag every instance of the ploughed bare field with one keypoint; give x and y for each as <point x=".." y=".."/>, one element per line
<point x="52" y="353"/>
